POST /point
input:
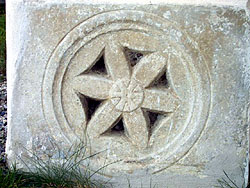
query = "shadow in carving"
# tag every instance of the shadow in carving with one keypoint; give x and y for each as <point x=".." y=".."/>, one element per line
<point x="90" y="105"/>
<point x="133" y="56"/>
<point x="116" y="129"/>
<point x="153" y="118"/>
<point x="161" y="81"/>
<point x="99" y="66"/>
<point x="119" y="127"/>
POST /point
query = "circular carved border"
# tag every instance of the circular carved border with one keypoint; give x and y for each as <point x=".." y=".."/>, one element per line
<point x="135" y="21"/>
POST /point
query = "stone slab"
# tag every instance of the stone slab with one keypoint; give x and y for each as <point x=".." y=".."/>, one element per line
<point x="160" y="87"/>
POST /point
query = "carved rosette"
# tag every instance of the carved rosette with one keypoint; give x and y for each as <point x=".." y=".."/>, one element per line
<point x="129" y="83"/>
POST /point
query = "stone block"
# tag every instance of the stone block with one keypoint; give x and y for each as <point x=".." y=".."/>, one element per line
<point x="159" y="88"/>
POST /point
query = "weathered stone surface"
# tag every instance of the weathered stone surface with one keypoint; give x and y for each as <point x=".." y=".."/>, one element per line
<point x="161" y="88"/>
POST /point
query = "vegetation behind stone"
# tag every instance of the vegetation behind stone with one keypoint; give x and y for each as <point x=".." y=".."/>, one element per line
<point x="2" y="41"/>
<point x="66" y="171"/>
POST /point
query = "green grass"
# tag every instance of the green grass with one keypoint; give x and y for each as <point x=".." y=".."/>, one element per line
<point x="11" y="178"/>
<point x="68" y="172"/>
<point x="228" y="182"/>
<point x="2" y="42"/>
<point x="149" y="186"/>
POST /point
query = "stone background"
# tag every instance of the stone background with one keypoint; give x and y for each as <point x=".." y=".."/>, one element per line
<point x="222" y="34"/>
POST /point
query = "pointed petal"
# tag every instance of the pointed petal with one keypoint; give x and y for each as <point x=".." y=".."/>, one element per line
<point x="116" y="62"/>
<point x="136" y="127"/>
<point x="103" y="119"/>
<point x="83" y="59"/>
<point x="139" y="42"/>
<point x="93" y="86"/>
<point x="150" y="66"/>
<point x="72" y="103"/>
<point x="160" y="100"/>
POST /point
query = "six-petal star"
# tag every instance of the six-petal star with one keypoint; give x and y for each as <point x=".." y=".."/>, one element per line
<point x="126" y="93"/>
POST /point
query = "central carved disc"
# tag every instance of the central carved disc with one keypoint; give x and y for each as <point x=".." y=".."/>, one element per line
<point x="126" y="95"/>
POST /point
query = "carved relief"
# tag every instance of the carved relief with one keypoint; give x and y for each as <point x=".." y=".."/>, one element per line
<point x="129" y="82"/>
<point x="125" y="91"/>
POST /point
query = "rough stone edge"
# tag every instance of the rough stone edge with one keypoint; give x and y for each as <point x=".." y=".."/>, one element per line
<point x="16" y="36"/>
<point x="239" y="3"/>
<point x="247" y="168"/>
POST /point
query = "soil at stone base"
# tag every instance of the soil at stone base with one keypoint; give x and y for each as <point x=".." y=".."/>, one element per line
<point x="3" y="120"/>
